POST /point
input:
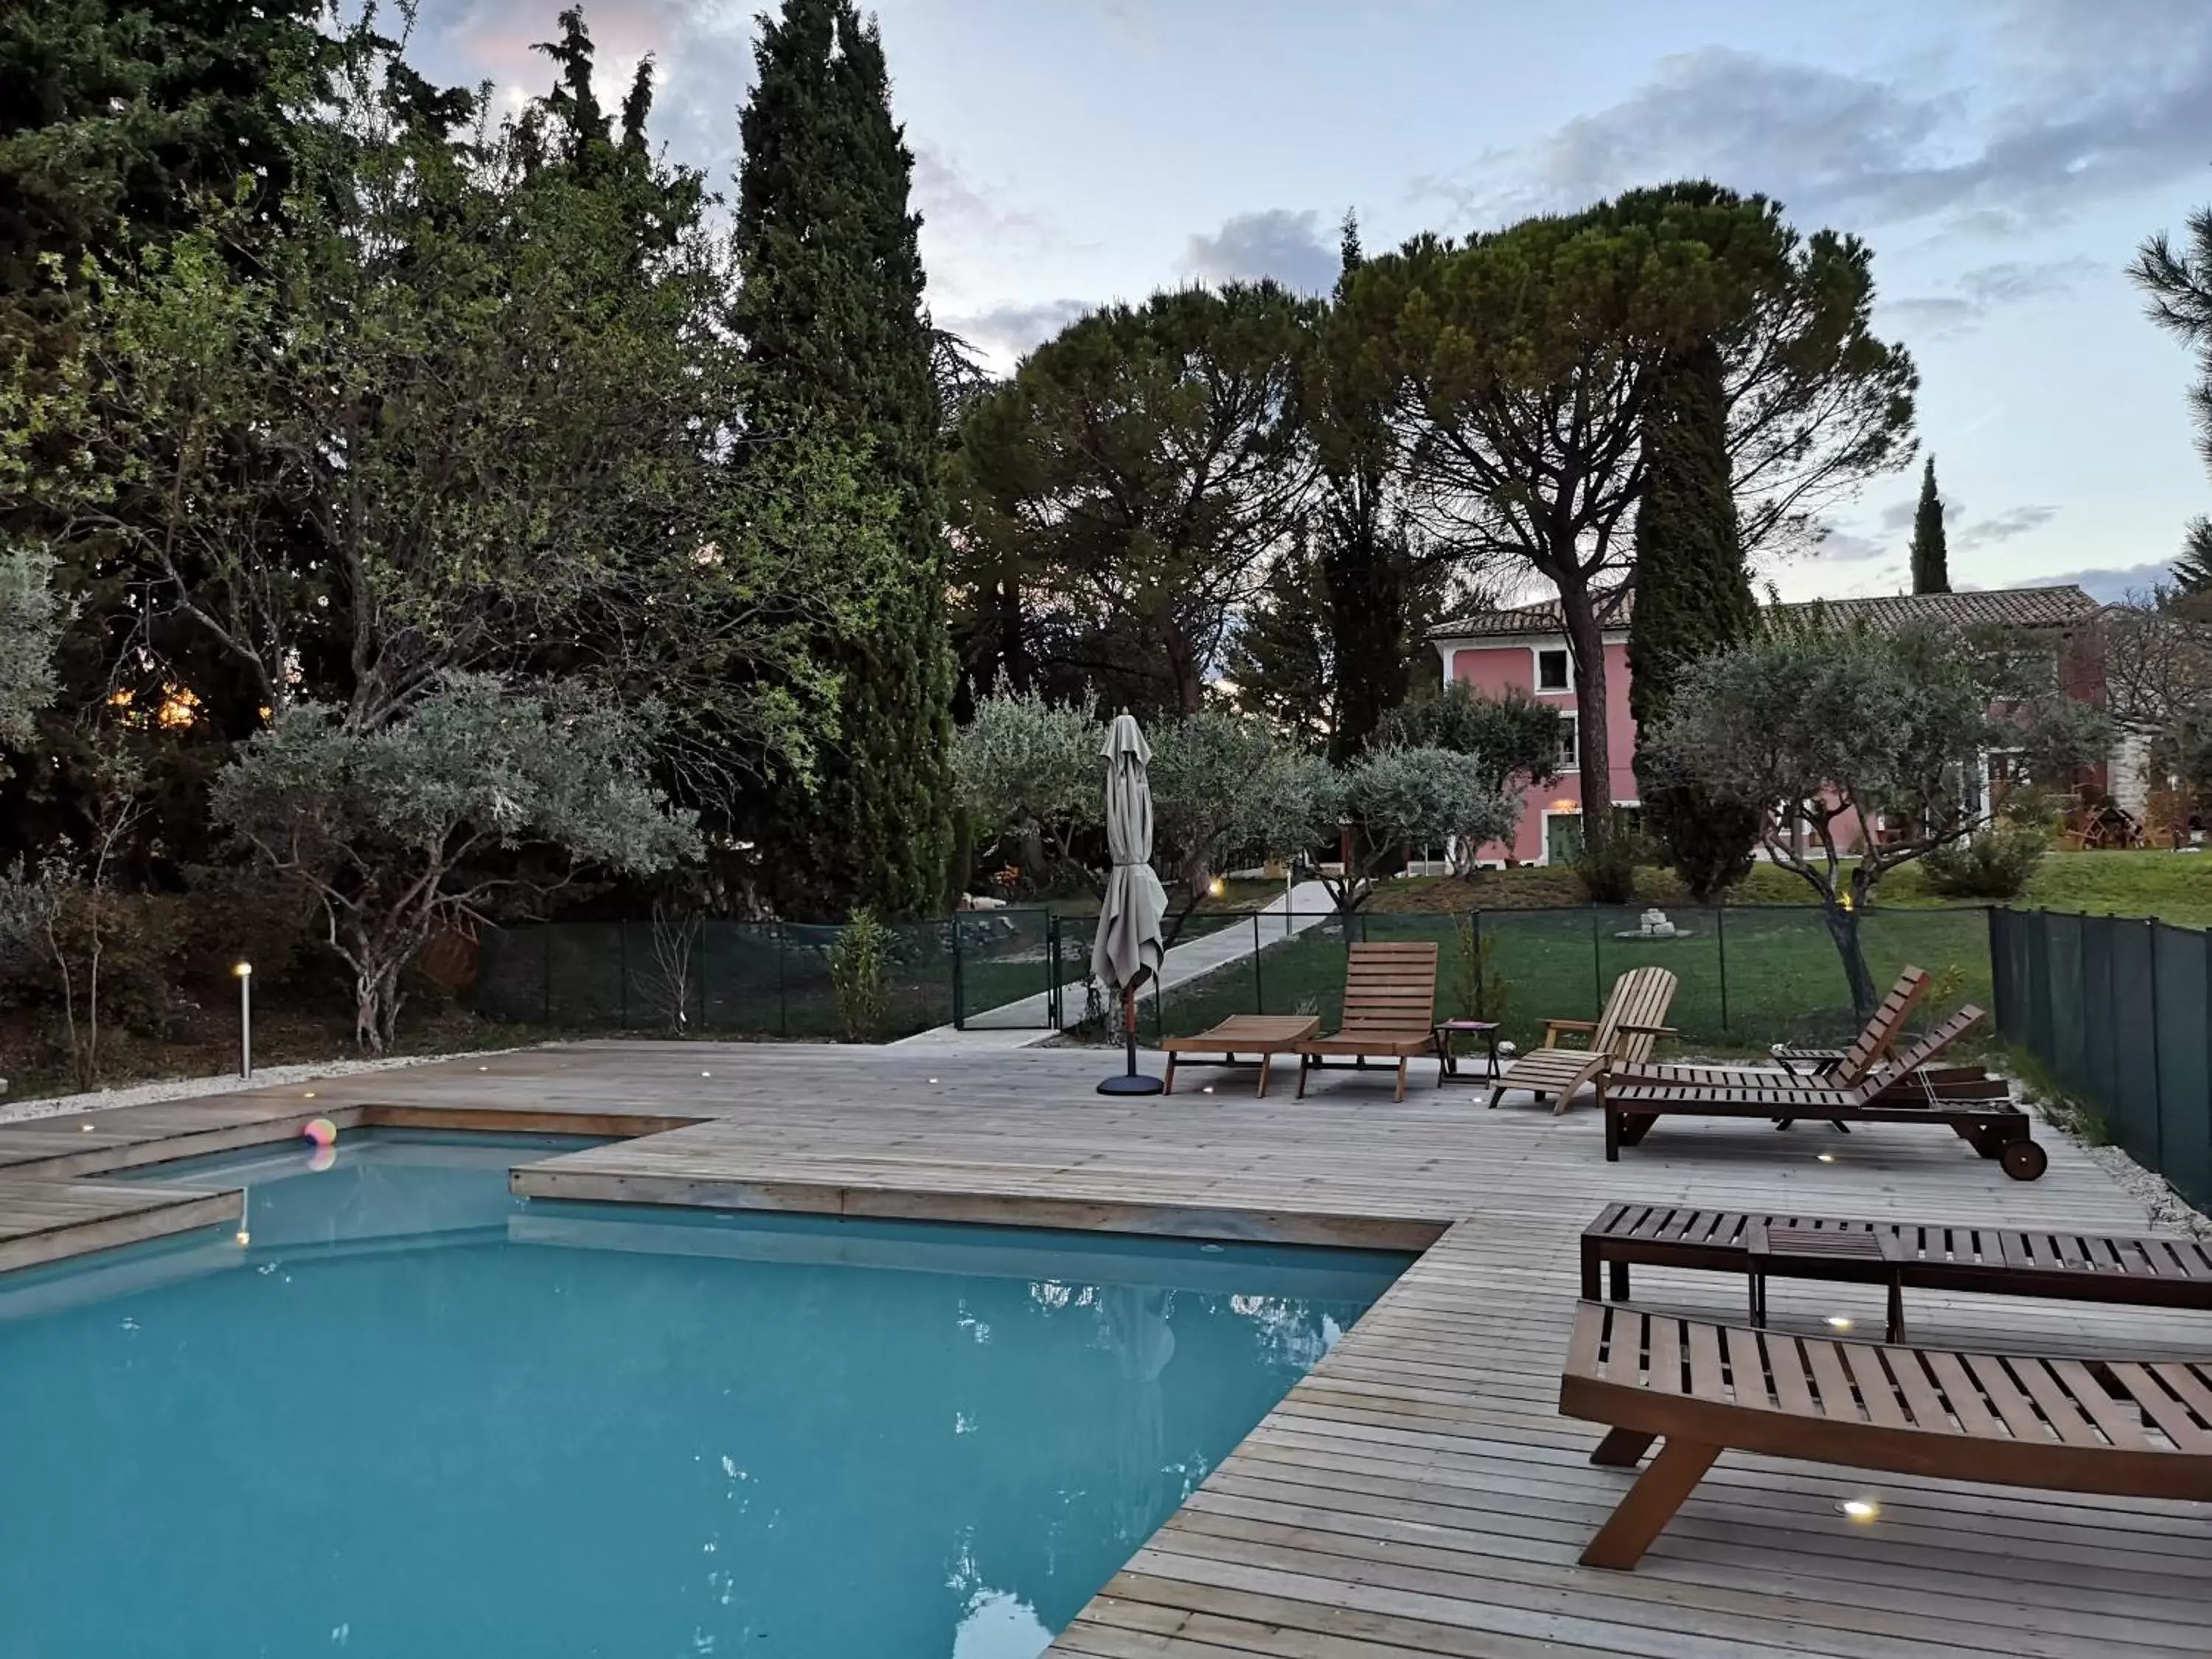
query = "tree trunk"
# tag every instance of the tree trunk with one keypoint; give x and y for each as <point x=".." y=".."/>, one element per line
<point x="1844" y="929"/>
<point x="1594" y="768"/>
<point x="1183" y="665"/>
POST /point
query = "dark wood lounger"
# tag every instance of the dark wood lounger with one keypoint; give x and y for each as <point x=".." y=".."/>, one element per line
<point x="2140" y="1271"/>
<point x="1963" y="1099"/>
<point x="2121" y="1427"/>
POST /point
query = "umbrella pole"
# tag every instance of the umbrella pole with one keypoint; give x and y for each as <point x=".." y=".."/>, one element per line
<point x="1130" y="1083"/>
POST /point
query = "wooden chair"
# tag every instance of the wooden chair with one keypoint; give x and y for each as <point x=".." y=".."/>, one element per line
<point x="1875" y="1039"/>
<point x="1262" y="1036"/>
<point x="1389" y="1009"/>
<point x="2119" y="1427"/>
<point x="1909" y="1090"/>
<point x="1633" y="1019"/>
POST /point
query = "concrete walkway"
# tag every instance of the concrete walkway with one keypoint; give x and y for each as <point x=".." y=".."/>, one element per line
<point x="1025" y="1022"/>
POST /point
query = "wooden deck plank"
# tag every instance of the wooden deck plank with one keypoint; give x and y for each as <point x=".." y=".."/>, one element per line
<point x="1418" y="1493"/>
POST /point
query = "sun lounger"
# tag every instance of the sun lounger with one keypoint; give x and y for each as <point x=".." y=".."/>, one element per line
<point x="2117" y="1427"/>
<point x="1262" y="1036"/>
<point x="1389" y="1009"/>
<point x="1875" y="1039"/>
<point x="1908" y="1091"/>
<point x="2136" y="1270"/>
<point x="1633" y="1019"/>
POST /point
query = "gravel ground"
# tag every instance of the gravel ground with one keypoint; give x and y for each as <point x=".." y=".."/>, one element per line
<point x="188" y="1088"/>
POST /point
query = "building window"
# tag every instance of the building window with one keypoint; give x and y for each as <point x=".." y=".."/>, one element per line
<point x="1571" y="751"/>
<point x="1551" y="671"/>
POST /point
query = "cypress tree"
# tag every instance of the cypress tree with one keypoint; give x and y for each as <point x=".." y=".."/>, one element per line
<point x="1692" y="598"/>
<point x="1932" y="569"/>
<point x="830" y="309"/>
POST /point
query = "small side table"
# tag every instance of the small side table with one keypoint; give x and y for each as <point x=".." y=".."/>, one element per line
<point x="1447" y="1030"/>
<point x="1854" y="1255"/>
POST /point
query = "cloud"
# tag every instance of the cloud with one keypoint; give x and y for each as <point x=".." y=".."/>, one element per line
<point x="1293" y="247"/>
<point x="2109" y="583"/>
<point x="1010" y="330"/>
<point x="1840" y="546"/>
<point x="1988" y="532"/>
<point x="2091" y="109"/>
<point x="1986" y="288"/>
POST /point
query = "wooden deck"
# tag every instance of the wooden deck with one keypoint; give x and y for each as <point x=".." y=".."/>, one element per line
<point x="1418" y="1493"/>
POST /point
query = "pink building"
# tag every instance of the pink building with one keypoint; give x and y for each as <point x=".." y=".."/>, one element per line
<point x="1525" y="648"/>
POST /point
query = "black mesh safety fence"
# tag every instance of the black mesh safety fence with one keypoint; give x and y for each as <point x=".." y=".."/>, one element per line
<point x="2118" y="1010"/>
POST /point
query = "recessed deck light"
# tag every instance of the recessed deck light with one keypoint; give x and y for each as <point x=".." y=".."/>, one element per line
<point x="1859" y="1508"/>
<point x="1838" y="1322"/>
<point x="87" y="1128"/>
<point x="245" y="1237"/>
<point x="1828" y="1157"/>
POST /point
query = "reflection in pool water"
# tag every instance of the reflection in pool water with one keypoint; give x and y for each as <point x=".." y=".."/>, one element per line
<point x="417" y="1418"/>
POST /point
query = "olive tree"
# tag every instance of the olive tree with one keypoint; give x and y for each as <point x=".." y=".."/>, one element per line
<point x="478" y="801"/>
<point x="1392" y="799"/>
<point x="1028" y="770"/>
<point x="1862" y="750"/>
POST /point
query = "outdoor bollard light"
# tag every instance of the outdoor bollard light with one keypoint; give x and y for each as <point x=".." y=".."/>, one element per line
<point x="245" y="972"/>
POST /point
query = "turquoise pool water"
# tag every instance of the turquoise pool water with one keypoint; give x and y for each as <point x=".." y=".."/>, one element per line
<point x="414" y="1417"/>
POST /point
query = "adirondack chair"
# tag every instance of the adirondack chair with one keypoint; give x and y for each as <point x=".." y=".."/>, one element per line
<point x="1622" y="1035"/>
<point x="1389" y="1009"/>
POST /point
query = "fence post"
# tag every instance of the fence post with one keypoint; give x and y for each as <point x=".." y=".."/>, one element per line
<point x="1720" y="944"/>
<point x="1474" y="945"/>
<point x="1052" y="969"/>
<point x="959" y="984"/>
<point x="783" y="985"/>
<point x="699" y="940"/>
<point x="1597" y="967"/>
<point x="1259" y="990"/>
<point x="545" y="967"/>
<point x="622" y="969"/>
<point x="2157" y="1084"/>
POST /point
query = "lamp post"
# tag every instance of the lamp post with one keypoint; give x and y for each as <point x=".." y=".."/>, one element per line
<point x="245" y="972"/>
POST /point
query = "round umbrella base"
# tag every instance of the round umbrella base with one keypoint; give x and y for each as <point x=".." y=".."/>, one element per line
<point x="1131" y="1084"/>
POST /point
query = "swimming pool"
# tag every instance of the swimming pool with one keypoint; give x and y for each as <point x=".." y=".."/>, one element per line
<point x="412" y="1416"/>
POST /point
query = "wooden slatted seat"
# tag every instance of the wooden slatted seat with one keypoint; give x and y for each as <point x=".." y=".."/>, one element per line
<point x="1876" y="1038"/>
<point x="2121" y="1427"/>
<point x="1633" y="1019"/>
<point x="2139" y="1270"/>
<point x="1909" y="1090"/>
<point x="1389" y="1008"/>
<point x="1262" y="1036"/>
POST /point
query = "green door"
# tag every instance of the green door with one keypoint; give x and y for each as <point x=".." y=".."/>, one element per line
<point x="1563" y="837"/>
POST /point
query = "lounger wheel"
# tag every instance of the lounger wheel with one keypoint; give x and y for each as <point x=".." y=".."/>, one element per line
<point x="2023" y="1160"/>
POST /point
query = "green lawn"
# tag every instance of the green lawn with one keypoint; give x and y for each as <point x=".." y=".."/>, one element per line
<point x="2174" y="886"/>
<point x="1750" y="978"/>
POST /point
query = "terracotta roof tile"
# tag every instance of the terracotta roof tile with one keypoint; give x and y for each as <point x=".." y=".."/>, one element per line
<point x="2006" y="607"/>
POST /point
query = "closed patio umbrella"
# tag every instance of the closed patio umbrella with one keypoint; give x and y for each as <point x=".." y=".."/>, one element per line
<point x="1129" y="945"/>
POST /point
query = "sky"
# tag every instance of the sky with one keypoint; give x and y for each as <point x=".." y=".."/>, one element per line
<point x="2004" y="159"/>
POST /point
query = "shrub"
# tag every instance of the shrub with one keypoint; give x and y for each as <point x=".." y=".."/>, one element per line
<point x="860" y="972"/>
<point x="1607" y="874"/>
<point x="1479" y="988"/>
<point x="1994" y="862"/>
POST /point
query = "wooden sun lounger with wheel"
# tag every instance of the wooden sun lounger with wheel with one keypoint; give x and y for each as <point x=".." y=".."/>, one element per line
<point x="1389" y="1009"/>
<point x="2135" y="1270"/>
<point x="1876" y="1038"/>
<point x="1261" y="1036"/>
<point x="1974" y="1105"/>
<point x="1633" y="1019"/>
<point x="2116" y="1427"/>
